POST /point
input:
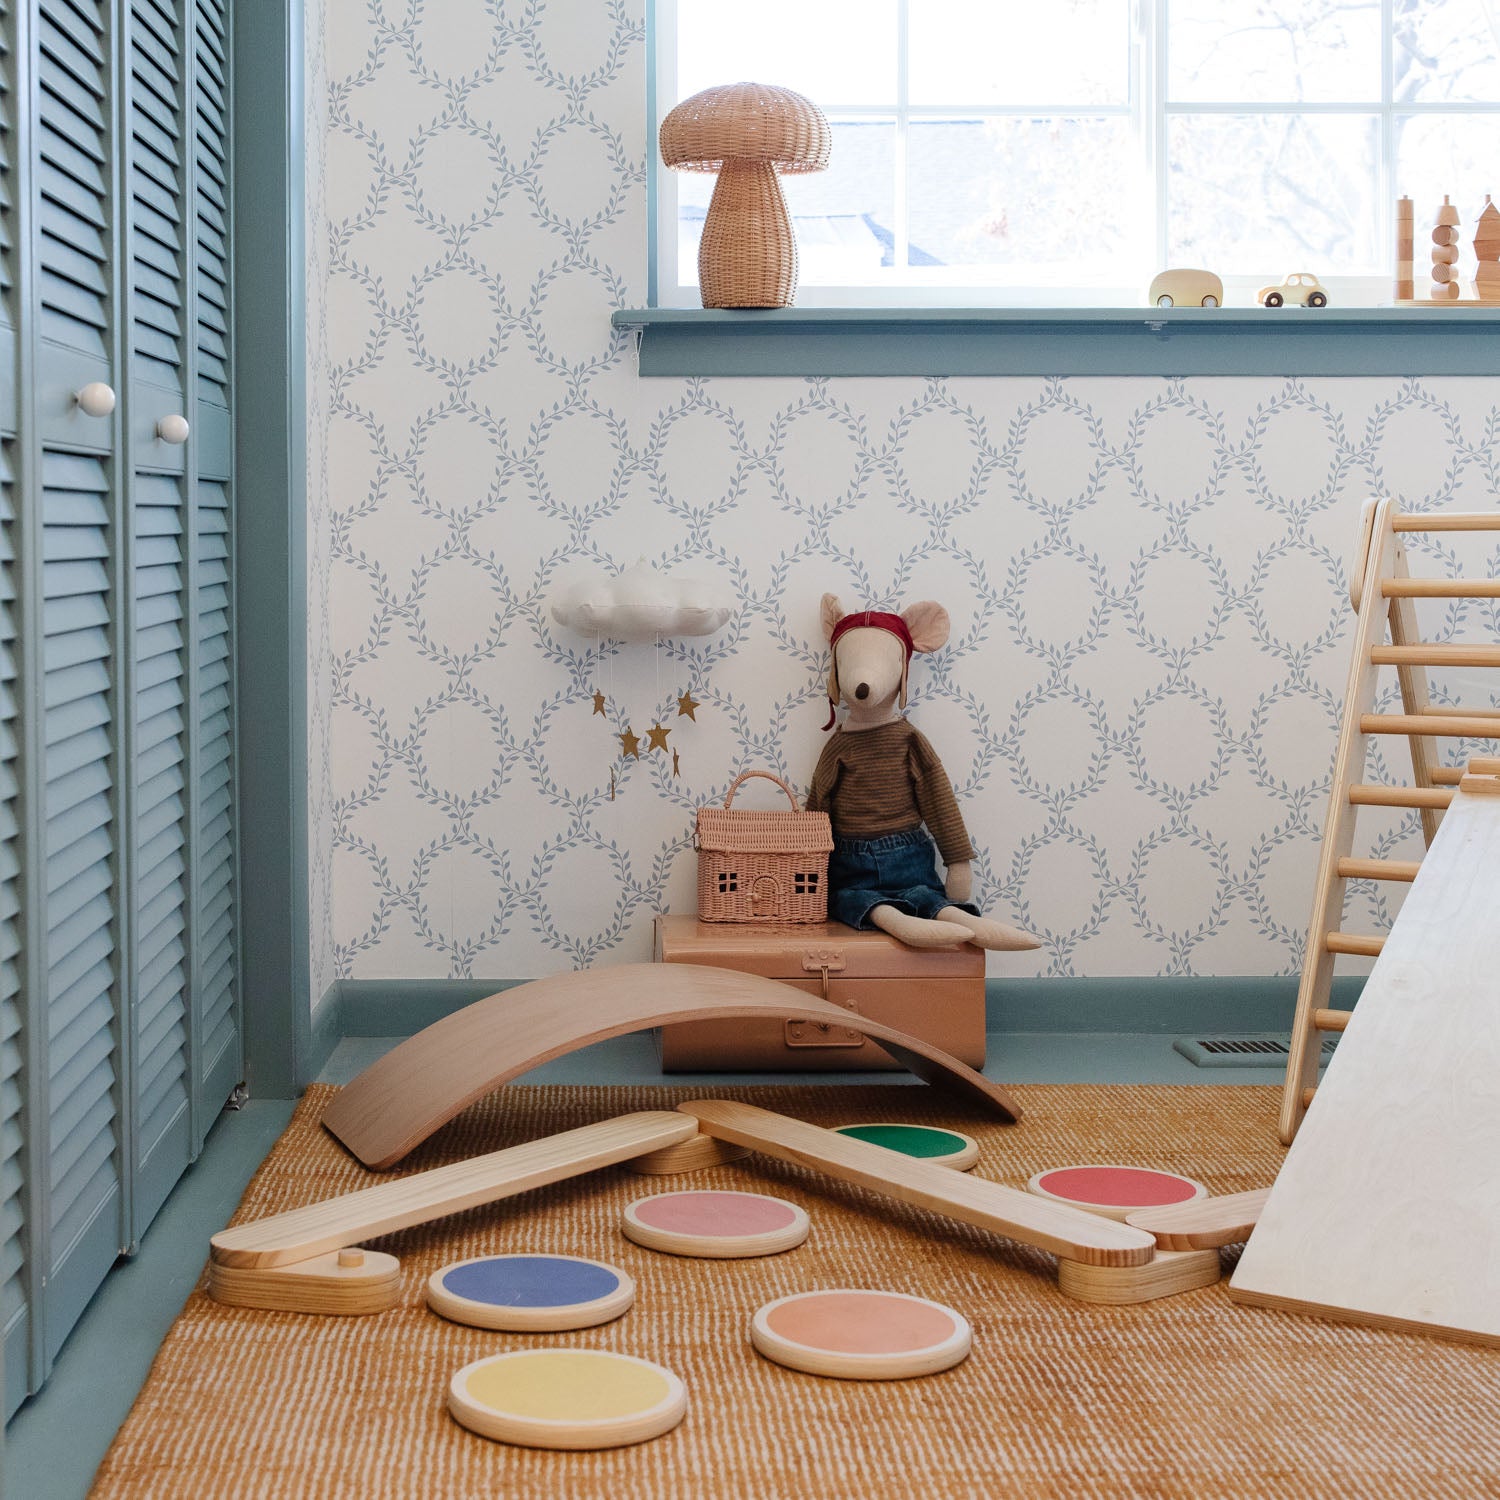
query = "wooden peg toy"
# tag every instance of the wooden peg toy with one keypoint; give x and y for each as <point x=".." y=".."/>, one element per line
<point x="1445" y="252"/>
<point x="1405" y="249"/>
<point x="1487" y="252"/>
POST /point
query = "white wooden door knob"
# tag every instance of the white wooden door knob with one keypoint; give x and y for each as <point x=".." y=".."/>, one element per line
<point x="173" y="429"/>
<point x="95" y="399"/>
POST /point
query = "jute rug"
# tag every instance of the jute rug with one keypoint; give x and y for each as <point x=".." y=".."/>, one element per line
<point x="1189" y="1397"/>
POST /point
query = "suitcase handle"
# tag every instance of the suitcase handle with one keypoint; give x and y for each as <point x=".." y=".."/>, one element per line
<point x="769" y="776"/>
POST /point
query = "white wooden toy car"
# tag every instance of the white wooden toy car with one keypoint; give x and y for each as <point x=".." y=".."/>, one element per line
<point x="1300" y="289"/>
<point x="1185" y="288"/>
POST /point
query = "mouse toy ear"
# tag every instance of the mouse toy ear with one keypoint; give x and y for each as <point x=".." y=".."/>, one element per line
<point x="928" y="622"/>
<point x="832" y="612"/>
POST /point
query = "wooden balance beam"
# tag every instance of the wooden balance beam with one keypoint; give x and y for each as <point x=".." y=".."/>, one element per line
<point x="302" y="1260"/>
<point x="398" y="1101"/>
<point x="1099" y="1259"/>
<point x="305" y="1260"/>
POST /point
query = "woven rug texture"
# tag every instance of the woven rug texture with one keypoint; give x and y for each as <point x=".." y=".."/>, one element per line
<point x="1187" y="1398"/>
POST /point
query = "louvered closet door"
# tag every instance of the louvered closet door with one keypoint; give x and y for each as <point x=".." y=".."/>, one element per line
<point x="76" y="1049"/>
<point x="13" y="1301"/>
<point x="158" y="241"/>
<point x="119" y="1024"/>
<point x="218" y="1056"/>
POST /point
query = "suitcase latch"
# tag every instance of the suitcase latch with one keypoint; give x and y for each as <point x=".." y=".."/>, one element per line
<point x="824" y="961"/>
<point x="824" y="1033"/>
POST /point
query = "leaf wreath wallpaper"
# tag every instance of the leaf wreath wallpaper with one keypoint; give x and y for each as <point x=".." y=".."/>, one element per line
<point x="1147" y="577"/>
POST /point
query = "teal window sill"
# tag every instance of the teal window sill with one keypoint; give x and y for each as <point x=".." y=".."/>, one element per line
<point x="1089" y="341"/>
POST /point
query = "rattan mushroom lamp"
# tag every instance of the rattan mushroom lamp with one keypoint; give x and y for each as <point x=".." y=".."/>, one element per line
<point x="747" y="133"/>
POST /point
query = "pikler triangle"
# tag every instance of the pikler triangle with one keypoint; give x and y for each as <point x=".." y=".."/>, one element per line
<point x="1387" y="1208"/>
<point x="1384" y="594"/>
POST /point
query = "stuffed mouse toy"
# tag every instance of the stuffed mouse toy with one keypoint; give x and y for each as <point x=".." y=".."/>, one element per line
<point x="880" y="782"/>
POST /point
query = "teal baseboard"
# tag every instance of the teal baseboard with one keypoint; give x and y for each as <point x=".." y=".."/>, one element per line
<point x="1135" y="1005"/>
<point x="327" y="1031"/>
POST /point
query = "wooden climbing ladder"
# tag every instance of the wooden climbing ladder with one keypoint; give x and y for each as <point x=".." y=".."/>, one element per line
<point x="1383" y="593"/>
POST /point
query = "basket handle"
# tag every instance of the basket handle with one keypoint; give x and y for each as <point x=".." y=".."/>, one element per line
<point x="769" y="776"/>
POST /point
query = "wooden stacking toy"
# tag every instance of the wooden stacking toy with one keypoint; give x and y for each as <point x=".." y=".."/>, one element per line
<point x="567" y="1398"/>
<point x="1405" y="250"/>
<point x="1445" y="252"/>
<point x="530" y="1293"/>
<point x="1487" y="251"/>
<point x="714" y="1224"/>
<point x="939" y="1148"/>
<point x="861" y="1335"/>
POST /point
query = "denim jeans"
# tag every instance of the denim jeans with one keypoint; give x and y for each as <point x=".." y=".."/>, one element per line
<point x="898" y="870"/>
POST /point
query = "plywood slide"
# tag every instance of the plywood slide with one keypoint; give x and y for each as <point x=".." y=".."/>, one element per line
<point x="1387" y="1208"/>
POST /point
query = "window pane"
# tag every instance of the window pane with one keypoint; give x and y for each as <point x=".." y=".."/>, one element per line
<point x="1060" y="194"/>
<point x="1068" y="52"/>
<point x="837" y="52"/>
<point x="1274" y="51"/>
<point x="1263" y="195"/>
<point x="1447" y="50"/>
<point x="1452" y="154"/>
<point x="844" y="218"/>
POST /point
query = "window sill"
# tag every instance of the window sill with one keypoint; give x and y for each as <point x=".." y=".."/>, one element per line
<point x="1419" y="340"/>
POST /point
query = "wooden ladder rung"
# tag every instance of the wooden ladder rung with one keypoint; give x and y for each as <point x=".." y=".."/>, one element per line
<point x="1364" y="795"/>
<point x="1460" y="726"/>
<point x="1440" y="588"/>
<point x="1447" y="775"/>
<point x="1355" y="943"/>
<point x="1379" y="869"/>
<point x="1457" y="520"/>
<point x="1307" y="1097"/>
<point x="1436" y="654"/>
<point x="1445" y="712"/>
<point x="1331" y="1020"/>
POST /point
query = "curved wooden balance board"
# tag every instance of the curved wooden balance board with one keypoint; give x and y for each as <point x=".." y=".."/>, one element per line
<point x="397" y="1102"/>
<point x="291" y="1260"/>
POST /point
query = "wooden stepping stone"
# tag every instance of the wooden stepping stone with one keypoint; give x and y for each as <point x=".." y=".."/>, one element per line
<point x="567" y="1398"/>
<point x="714" y="1224"/>
<point x="942" y="1148"/>
<point x="861" y="1335"/>
<point x="530" y="1293"/>
<point x="1114" y="1191"/>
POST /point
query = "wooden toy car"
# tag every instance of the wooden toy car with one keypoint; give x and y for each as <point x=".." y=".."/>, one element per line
<point x="1185" y="288"/>
<point x="1300" y="289"/>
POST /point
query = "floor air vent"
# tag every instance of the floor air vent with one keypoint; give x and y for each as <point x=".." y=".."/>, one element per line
<point x="1268" y="1051"/>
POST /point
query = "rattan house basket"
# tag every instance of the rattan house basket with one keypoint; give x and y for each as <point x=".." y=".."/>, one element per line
<point x="762" y="866"/>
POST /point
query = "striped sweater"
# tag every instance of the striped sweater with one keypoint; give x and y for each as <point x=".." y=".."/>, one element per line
<point x="874" y="782"/>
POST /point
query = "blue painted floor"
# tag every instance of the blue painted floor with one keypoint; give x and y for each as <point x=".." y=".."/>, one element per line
<point x="56" y="1441"/>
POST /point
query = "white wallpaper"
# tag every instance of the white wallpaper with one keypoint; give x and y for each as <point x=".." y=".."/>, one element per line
<point x="1147" y="577"/>
<point x="319" y="528"/>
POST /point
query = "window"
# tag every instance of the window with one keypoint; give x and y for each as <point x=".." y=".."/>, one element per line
<point x="1009" y="152"/>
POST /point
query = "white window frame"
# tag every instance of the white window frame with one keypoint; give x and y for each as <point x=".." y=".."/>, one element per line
<point x="1007" y="287"/>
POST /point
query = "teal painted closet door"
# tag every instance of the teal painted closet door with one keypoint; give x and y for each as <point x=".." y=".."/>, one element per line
<point x="219" y="1054"/>
<point x="119" y="1017"/>
<point x="75" y="922"/>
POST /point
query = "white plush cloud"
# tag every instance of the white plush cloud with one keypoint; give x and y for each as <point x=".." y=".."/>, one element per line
<point x="642" y="603"/>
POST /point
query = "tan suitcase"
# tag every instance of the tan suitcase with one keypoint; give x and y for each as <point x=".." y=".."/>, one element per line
<point x="936" y="996"/>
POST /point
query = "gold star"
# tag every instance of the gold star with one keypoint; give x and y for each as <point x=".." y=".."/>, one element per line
<point x="630" y="744"/>
<point x="675" y="770"/>
<point x="598" y="701"/>
<point x="686" y="704"/>
<point x="656" y="737"/>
